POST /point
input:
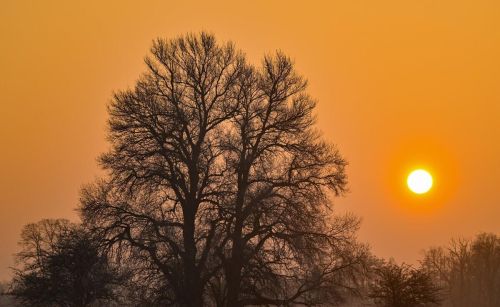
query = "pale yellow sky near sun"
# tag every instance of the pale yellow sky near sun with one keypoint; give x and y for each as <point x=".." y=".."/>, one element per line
<point x="400" y="85"/>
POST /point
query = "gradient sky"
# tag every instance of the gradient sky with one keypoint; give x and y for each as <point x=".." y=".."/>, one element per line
<point x="400" y="85"/>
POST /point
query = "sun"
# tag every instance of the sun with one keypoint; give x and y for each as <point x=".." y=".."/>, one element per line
<point x="419" y="181"/>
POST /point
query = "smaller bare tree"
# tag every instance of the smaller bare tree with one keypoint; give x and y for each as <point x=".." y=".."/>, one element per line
<point x="60" y="265"/>
<point x="403" y="286"/>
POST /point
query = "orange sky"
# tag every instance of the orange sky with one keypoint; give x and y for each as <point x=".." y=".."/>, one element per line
<point x="400" y="84"/>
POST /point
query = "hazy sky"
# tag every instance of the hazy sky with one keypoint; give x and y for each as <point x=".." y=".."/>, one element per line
<point x="400" y="84"/>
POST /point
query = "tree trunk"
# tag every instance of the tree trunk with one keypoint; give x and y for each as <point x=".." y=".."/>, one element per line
<point x="192" y="288"/>
<point x="236" y="261"/>
<point x="235" y="266"/>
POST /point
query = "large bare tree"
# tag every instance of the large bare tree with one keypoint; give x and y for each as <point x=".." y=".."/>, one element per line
<point x="218" y="183"/>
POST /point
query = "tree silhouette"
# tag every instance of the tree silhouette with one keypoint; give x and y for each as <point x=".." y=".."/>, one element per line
<point x="61" y="266"/>
<point x="6" y="299"/>
<point x="403" y="286"/>
<point x="468" y="269"/>
<point x="219" y="182"/>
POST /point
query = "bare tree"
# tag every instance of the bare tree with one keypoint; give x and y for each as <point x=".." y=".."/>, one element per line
<point x="485" y="264"/>
<point x="468" y="269"/>
<point x="219" y="182"/>
<point x="403" y="286"/>
<point x="60" y="265"/>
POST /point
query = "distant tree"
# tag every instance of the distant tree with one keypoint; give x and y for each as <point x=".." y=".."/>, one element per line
<point x="469" y="270"/>
<point x="60" y="265"/>
<point x="485" y="254"/>
<point x="6" y="299"/>
<point x="403" y="286"/>
<point x="219" y="184"/>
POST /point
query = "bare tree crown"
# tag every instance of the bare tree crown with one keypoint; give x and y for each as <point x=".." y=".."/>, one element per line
<point x="219" y="180"/>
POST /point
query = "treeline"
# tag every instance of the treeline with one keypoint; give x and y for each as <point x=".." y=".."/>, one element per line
<point x="218" y="193"/>
<point x="468" y="271"/>
<point x="62" y="264"/>
<point x="464" y="273"/>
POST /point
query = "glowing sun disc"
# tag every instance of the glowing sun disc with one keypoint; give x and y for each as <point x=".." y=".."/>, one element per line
<point x="419" y="181"/>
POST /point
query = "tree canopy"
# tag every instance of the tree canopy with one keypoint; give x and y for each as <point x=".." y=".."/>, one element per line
<point x="403" y="286"/>
<point x="60" y="264"/>
<point x="218" y="183"/>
